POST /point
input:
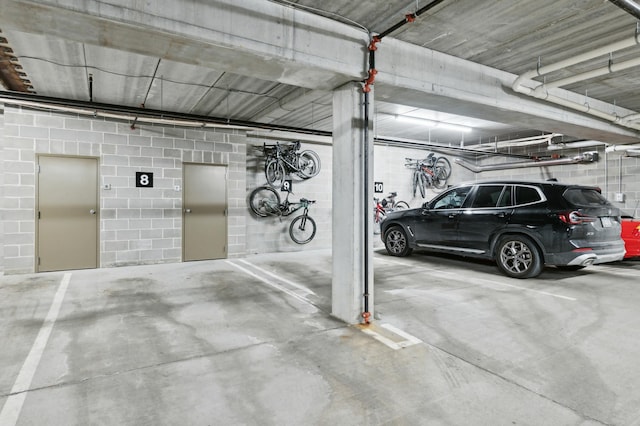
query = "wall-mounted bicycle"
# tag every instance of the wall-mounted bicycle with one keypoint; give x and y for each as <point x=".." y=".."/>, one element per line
<point x="430" y="172"/>
<point x="265" y="201"/>
<point x="388" y="204"/>
<point x="283" y="160"/>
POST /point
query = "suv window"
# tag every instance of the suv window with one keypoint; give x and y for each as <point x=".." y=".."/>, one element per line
<point x="506" y="200"/>
<point x="527" y="195"/>
<point x="452" y="199"/>
<point x="585" y="197"/>
<point x="487" y="196"/>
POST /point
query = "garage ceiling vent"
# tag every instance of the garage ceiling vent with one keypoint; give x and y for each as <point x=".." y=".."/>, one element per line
<point x="587" y="157"/>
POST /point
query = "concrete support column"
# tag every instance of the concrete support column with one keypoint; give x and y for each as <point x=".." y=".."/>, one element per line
<point x="352" y="204"/>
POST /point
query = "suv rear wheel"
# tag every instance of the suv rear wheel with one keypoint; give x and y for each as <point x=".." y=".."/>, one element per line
<point x="518" y="257"/>
<point x="396" y="243"/>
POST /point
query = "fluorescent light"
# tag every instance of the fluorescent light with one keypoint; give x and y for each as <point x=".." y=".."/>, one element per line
<point x="432" y="123"/>
<point x="415" y="120"/>
<point x="456" y="127"/>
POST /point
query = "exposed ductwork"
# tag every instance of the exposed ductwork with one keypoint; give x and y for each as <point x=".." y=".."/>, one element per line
<point x="587" y="157"/>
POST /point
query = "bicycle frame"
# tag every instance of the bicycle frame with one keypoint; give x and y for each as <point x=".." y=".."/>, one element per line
<point x="289" y="155"/>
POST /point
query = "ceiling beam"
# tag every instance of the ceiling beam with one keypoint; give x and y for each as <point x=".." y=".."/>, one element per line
<point x="273" y="42"/>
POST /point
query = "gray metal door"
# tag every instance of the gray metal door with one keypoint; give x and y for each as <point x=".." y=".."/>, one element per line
<point x="67" y="229"/>
<point x="204" y="212"/>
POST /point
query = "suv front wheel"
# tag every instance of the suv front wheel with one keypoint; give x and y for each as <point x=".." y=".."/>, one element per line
<point x="518" y="257"/>
<point x="396" y="242"/>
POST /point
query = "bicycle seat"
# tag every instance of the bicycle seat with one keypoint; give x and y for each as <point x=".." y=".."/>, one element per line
<point x="393" y="194"/>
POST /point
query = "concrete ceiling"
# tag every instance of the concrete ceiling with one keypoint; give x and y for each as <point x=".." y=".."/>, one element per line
<point x="226" y="60"/>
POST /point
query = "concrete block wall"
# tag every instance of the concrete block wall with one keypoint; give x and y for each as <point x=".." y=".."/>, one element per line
<point x="137" y="225"/>
<point x="613" y="173"/>
<point x="141" y="226"/>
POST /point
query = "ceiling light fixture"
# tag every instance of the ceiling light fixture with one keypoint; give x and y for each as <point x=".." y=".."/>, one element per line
<point x="432" y="124"/>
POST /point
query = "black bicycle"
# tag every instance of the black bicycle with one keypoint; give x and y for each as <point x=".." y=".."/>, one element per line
<point x="265" y="201"/>
<point x="282" y="160"/>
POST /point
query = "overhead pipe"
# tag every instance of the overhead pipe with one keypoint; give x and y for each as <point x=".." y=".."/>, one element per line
<point x="375" y="39"/>
<point x="540" y="90"/>
<point x="616" y="148"/>
<point x="628" y="6"/>
<point x="610" y="68"/>
<point x="573" y="60"/>
<point x="587" y="157"/>
<point x="153" y="116"/>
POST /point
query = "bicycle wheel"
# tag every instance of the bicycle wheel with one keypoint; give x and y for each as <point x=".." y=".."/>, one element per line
<point x="401" y="205"/>
<point x="439" y="177"/>
<point x="302" y="229"/>
<point x="275" y="173"/>
<point x="264" y="201"/>
<point x="445" y="165"/>
<point x="308" y="164"/>
<point x="423" y="183"/>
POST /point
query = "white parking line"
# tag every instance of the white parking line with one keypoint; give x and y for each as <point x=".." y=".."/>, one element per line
<point x="481" y="281"/>
<point x="13" y="405"/>
<point x="277" y="277"/>
<point x="271" y="283"/>
<point x="409" y="339"/>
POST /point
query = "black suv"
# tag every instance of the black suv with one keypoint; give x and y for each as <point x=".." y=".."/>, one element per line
<point x="522" y="226"/>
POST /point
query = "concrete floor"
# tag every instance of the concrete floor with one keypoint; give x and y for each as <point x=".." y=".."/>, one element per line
<point x="252" y="342"/>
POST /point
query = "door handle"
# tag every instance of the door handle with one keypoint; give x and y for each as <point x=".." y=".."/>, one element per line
<point x="92" y="211"/>
<point x="187" y="210"/>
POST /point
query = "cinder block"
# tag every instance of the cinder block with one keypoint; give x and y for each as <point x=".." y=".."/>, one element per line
<point x="77" y="123"/>
<point x="159" y="142"/>
<point x="62" y="135"/>
<point x="140" y="140"/>
<point x="103" y="126"/>
<point x="114" y="139"/>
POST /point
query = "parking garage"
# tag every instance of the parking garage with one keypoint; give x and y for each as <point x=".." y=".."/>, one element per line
<point x="139" y="311"/>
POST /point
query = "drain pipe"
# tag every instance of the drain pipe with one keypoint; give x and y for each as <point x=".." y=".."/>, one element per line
<point x="587" y="157"/>
<point x="368" y="83"/>
<point x="366" y="315"/>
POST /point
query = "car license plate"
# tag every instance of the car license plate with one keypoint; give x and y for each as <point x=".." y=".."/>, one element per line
<point x="606" y="222"/>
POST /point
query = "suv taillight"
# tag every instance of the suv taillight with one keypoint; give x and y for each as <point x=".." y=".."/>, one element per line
<point x="575" y="218"/>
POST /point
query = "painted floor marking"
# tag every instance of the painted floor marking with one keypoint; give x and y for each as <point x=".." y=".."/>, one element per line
<point x="395" y="345"/>
<point x="480" y="280"/>
<point x="411" y="340"/>
<point x="269" y="283"/>
<point x="13" y="405"/>
<point x="277" y="277"/>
